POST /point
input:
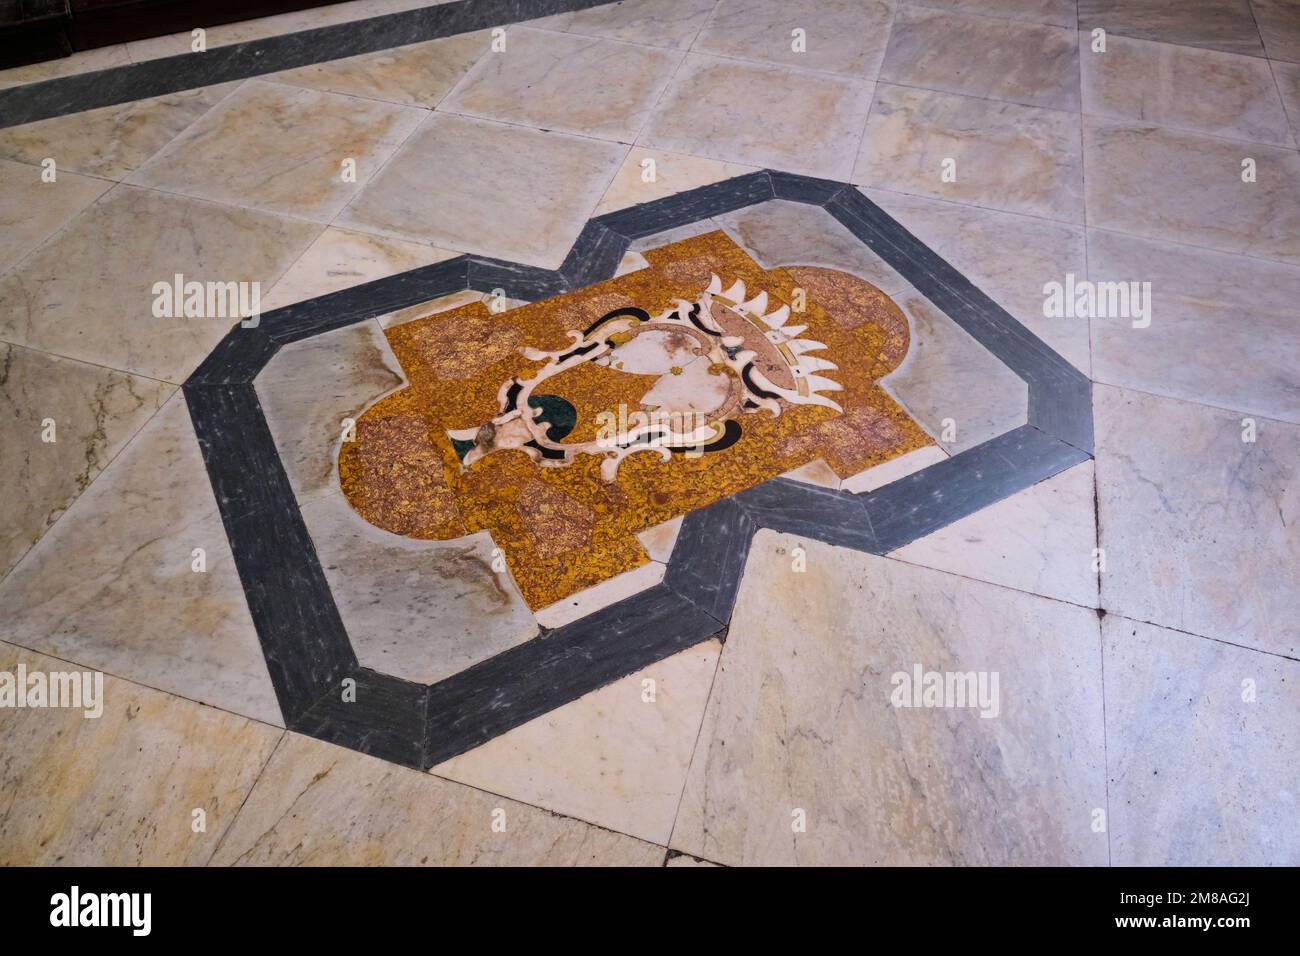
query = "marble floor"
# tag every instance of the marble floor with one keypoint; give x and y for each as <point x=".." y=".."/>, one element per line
<point x="986" y="549"/>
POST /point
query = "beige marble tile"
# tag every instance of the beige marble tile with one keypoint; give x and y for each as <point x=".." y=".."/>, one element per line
<point x="672" y="23"/>
<point x="488" y="189"/>
<point x="660" y="540"/>
<point x="1186" y="187"/>
<point x="1039" y="540"/>
<point x="616" y="757"/>
<point x="1279" y="28"/>
<point x="113" y="584"/>
<point x="1202" y="746"/>
<point x="95" y="412"/>
<point x="320" y="805"/>
<point x="1287" y="76"/>
<point x="1226" y="25"/>
<point x="533" y="82"/>
<point x="417" y="75"/>
<point x="31" y="210"/>
<point x="1059" y="13"/>
<point x="607" y="592"/>
<point x="761" y="115"/>
<point x="85" y="61"/>
<point x="88" y="292"/>
<point x="1198" y="525"/>
<point x="1007" y="156"/>
<point x="816" y="472"/>
<point x="649" y="174"/>
<point x="281" y="149"/>
<point x="894" y="469"/>
<point x="1028" y="63"/>
<point x="1225" y="94"/>
<point x="800" y="726"/>
<point x="1223" y="328"/>
<point x="341" y="258"/>
<point x="684" y="860"/>
<point x="113" y="141"/>
<point x="423" y="309"/>
<point x="121" y="789"/>
<point x="839" y="36"/>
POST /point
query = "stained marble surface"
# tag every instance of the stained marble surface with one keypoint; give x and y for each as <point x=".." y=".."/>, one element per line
<point x="673" y="23"/>
<point x="121" y="789"/>
<point x="1288" y="83"/>
<point x="1061" y="13"/>
<point x="1198" y="526"/>
<point x="1279" y="28"/>
<point x="84" y="61"/>
<point x="321" y="805"/>
<point x="671" y="173"/>
<point x="1202" y="747"/>
<point x="1226" y="25"/>
<point x="31" y="210"/>
<point x="808" y="726"/>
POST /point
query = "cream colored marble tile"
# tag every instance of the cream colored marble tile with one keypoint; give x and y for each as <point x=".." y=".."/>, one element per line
<point x="320" y="805"/>
<point x="1186" y="187"/>
<point x="1028" y="63"/>
<point x="816" y="472"/>
<point x="86" y="61"/>
<point x="803" y="758"/>
<point x="1279" y="28"/>
<point x="649" y="174"/>
<point x="1198" y="525"/>
<point x="1202" y="746"/>
<point x="95" y="412"/>
<point x="88" y="292"/>
<point x="488" y="189"/>
<point x="894" y="469"/>
<point x="1059" y="13"/>
<point x="616" y="757"/>
<point x="660" y="540"/>
<point x="113" y="584"/>
<point x="601" y="595"/>
<point x="1220" y="93"/>
<point x="1004" y="155"/>
<point x="761" y="115"/>
<point x="1039" y="540"/>
<point x="1226" y="25"/>
<point x="31" y="210"/>
<point x="112" y="141"/>
<point x="631" y="262"/>
<point x="121" y="789"/>
<point x="282" y="149"/>
<point x="672" y="23"/>
<point x="424" y="309"/>
<point x="839" y="36"/>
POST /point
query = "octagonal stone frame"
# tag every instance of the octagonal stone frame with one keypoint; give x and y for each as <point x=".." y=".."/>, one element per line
<point x="308" y="653"/>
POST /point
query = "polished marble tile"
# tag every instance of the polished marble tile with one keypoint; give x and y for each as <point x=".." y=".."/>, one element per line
<point x="31" y="210"/>
<point x="533" y="80"/>
<point x="1186" y="187"/>
<point x="761" y="115"/>
<point x="1226" y="25"/>
<point x="1028" y="63"/>
<point x="839" y="36"/>
<point x="616" y="757"/>
<point x="113" y="584"/>
<point x="802" y="758"/>
<point x="1287" y="76"/>
<point x="660" y="540"/>
<point x="85" y="61"/>
<point x="122" y="789"/>
<point x="88" y="292"/>
<point x="320" y="805"/>
<point x="893" y="470"/>
<point x="1202" y="746"/>
<point x="282" y="149"/>
<point x="649" y="174"/>
<point x="1224" y="94"/>
<point x="1198" y="526"/>
<point x="1223" y="328"/>
<point x="1060" y="13"/>
<point x="574" y="607"/>
<point x="1007" y="156"/>
<point x="95" y="412"/>
<point x="488" y="189"/>
<point x="672" y="23"/>
<point x="1279" y="27"/>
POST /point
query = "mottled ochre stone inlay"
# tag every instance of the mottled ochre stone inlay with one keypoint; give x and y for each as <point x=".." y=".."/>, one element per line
<point x="763" y="385"/>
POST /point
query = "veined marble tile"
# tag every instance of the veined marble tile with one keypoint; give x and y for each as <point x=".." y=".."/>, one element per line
<point x="894" y="469"/>
<point x="1225" y="94"/>
<point x="1288" y="82"/>
<point x="535" y="81"/>
<point x="88" y="292"/>
<point x="764" y="116"/>
<point x="1186" y="187"/>
<point x="816" y="472"/>
<point x="803" y="758"/>
<point x="1028" y="63"/>
<point x="839" y="36"/>
<point x="1279" y="28"/>
<point x="1226" y="25"/>
<point x="489" y="189"/>
<point x="420" y="610"/>
<point x="669" y="236"/>
<point x="616" y="757"/>
<point x="320" y="805"/>
<point x="95" y="412"/>
<point x="113" y="584"/>
<point x="1008" y="257"/>
<point x="441" y="304"/>
<point x="112" y="141"/>
<point x="1060" y="13"/>
<point x="281" y="149"/>
<point x="31" y="210"/>
<point x="672" y="173"/>
<point x="607" y="592"/>
<point x="673" y="23"/>
<point x="1202" y="746"/>
<point x="1198" y="525"/>
<point x="85" y="61"/>
<point x="417" y="75"/>
<point x="1007" y="156"/>
<point x="1039" y="540"/>
<point x="1223" y="328"/>
<point x="660" y="540"/>
<point x="121" y="789"/>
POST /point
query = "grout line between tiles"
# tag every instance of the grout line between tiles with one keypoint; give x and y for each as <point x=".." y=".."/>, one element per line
<point x="242" y="803"/>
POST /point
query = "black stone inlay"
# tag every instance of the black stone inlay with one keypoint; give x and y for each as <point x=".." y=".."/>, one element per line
<point x="386" y="718"/>
<point x="709" y="557"/>
<point x="515" y="281"/>
<point x="237" y="358"/>
<point x="835" y="517"/>
<point x="594" y="256"/>
<point x="690" y="206"/>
